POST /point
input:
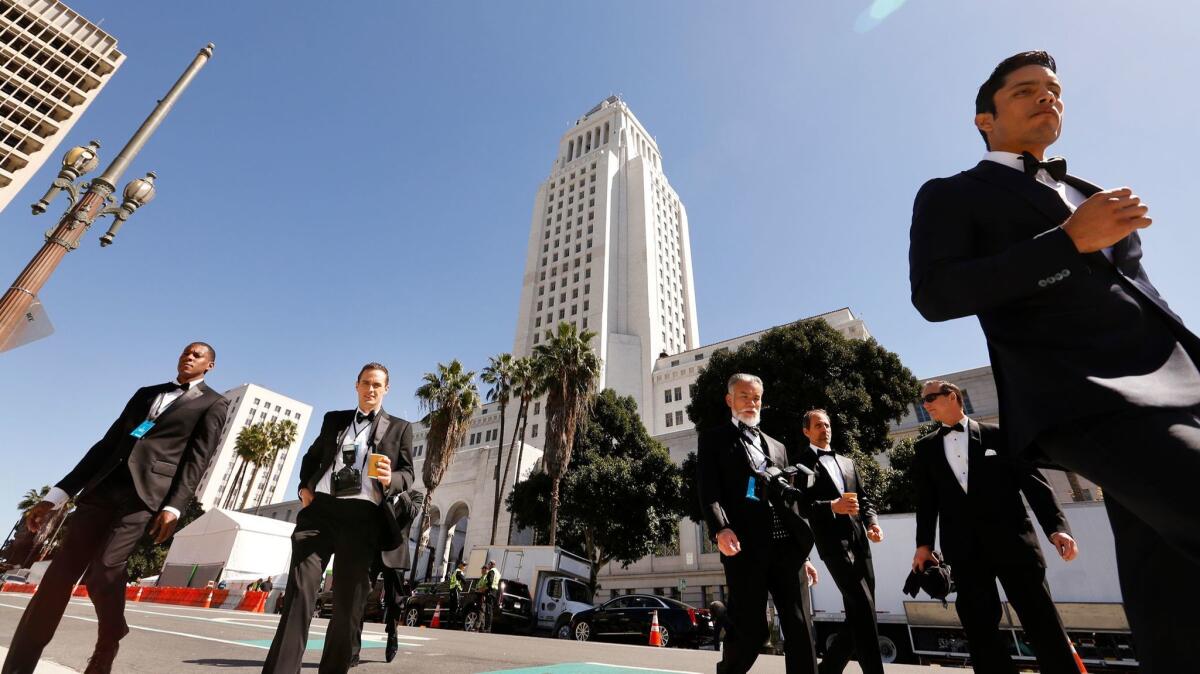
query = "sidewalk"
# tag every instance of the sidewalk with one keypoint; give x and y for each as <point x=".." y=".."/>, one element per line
<point x="44" y="666"/>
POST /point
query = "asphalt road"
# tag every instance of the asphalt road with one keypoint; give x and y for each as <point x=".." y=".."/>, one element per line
<point x="177" y="640"/>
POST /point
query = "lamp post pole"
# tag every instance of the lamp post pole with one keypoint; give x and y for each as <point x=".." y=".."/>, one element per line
<point x="85" y="209"/>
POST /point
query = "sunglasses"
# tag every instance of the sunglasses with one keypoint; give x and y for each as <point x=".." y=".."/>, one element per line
<point x="934" y="396"/>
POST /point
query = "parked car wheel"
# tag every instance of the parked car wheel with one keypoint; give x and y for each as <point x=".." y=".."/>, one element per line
<point x="888" y="649"/>
<point x="583" y="631"/>
<point x="412" y="617"/>
<point x="563" y="629"/>
<point x="318" y="609"/>
<point x="473" y="621"/>
<point x="666" y="636"/>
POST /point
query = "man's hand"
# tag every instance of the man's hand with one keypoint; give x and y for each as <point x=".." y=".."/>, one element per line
<point x="1106" y="218"/>
<point x="810" y="572"/>
<point x="923" y="555"/>
<point x="163" y="526"/>
<point x="383" y="472"/>
<point x="727" y="542"/>
<point x="844" y="506"/>
<point x="1067" y="548"/>
<point x="37" y="515"/>
<point x="874" y="533"/>
<point x="306" y="496"/>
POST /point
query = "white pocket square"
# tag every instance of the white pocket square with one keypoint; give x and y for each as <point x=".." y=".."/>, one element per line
<point x="989" y="452"/>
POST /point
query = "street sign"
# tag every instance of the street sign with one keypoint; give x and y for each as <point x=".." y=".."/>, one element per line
<point x="682" y="585"/>
<point x="36" y="325"/>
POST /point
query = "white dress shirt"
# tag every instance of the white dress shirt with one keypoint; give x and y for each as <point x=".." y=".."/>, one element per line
<point x="161" y="402"/>
<point x="1070" y="196"/>
<point x="831" y="466"/>
<point x="758" y="452"/>
<point x="357" y="434"/>
<point x="955" y="444"/>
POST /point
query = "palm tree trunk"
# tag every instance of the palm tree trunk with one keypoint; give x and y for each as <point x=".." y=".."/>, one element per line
<point x="234" y="486"/>
<point x="554" y="512"/>
<point x="499" y="486"/>
<point x="250" y="487"/>
<point x="522" y="422"/>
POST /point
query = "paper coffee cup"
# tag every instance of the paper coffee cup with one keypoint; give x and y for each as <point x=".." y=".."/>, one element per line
<point x="373" y="465"/>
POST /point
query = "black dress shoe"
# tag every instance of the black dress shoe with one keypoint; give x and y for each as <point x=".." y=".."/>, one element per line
<point x="392" y="646"/>
<point x="354" y="662"/>
<point x="102" y="658"/>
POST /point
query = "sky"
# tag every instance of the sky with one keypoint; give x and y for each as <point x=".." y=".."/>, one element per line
<point x="340" y="187"/>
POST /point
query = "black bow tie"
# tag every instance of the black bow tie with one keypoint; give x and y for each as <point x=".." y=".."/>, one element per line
<point x="359" y="417"/>
<point x="176" y="386"/>
<point x="823" y="452"/>
<point x="747" y="428"/>
<point x="944" y="430"/>
<point x="1055" y="166"/>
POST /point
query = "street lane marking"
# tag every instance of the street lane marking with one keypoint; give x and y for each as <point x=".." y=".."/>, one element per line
<point x="643" y="669"/>
<point x="588" y="668"/>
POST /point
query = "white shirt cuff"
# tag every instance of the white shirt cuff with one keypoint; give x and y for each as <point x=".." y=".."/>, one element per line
<point x="173" y="511"/>
<point x="57" y="496"/>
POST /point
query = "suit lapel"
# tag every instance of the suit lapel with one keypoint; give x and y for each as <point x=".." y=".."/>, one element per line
<point x="847" y="475"/>
<point x="188" y="396"/>
<point x="1041" y="197"/>
<point x="974" y="455"/>
<point x="382" y="421"/>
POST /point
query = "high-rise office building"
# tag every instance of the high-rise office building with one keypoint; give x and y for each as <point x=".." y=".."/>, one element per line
<point x="609" y="251"/>
<point x="53" y="63"/>
<point x="221" y="487"/>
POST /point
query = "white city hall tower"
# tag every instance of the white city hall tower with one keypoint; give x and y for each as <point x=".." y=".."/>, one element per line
<point x="609" y="251"/>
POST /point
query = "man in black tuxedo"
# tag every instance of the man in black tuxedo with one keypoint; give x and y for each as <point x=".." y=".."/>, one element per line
<point x="764" y="542"/>
<point x="975" y="492"/>
<point x="1095" y="372"/>
<point x="843" y="519"/>
<point x="143" y="471"/>
<point x="345" y="512"/>
<point x="393" y="564"/>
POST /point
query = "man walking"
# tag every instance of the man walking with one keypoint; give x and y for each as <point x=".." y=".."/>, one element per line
<point x="974" y="492"/>
<point x="1093" y="368"/>
<point x="143" y="471"/>
<point x="764" y="542"/>
<point x="843" y="519"/>
<point x="344" y="512"/>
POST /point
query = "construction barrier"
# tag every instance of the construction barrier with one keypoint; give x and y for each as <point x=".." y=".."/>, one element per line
<point x="79" y="591"/>
<point x="253" y="601"/>
<point x="200" y="597"/>
<point x="23" y="588"/>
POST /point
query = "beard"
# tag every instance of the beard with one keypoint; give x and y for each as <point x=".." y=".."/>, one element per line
<point x="749" y="418"/>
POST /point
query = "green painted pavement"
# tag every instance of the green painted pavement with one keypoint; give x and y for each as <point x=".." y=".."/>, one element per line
<point x="586" y="668"/>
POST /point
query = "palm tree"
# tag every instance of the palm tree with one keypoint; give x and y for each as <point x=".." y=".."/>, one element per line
<point x="569" y="367"/>
<point x="249" y="442"/>
<point x="32" y="498"/>
<point x="526" y="386"/>
<point x="275" y="436"/>
<point x="498" y="374"/>
<point x="449" y="397"/>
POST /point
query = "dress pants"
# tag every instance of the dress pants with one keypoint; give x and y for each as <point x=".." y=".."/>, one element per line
<point x="348" y="528"/>
<point x="778" y="568"/>
<point x="1145" y="461"/>
<point x="107" y="524"/>
<point x="859" y="634"/>
<point x="979" y="609"/>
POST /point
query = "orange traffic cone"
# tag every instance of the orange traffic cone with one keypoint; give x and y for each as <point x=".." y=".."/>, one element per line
<point x="655" y="630"/>
<point x="1078" y="660"/>
<point x="437" y="617"/>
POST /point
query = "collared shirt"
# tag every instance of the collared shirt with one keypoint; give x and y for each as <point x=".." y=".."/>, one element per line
<point x="757" y="451"/>
<point x="161" y="402"/>
<point x="831" y="466"/>
<point x="358" y="435"/>
<point x="955" y="445"/>
<point x="1070" y="196"/>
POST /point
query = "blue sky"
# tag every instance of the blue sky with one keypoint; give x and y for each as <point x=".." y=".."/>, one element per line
<point x="335" y="189"/>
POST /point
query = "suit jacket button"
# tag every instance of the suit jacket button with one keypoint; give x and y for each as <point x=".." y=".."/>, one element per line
<point x="1066" y="273"/>
<point x="1042" y="283"/>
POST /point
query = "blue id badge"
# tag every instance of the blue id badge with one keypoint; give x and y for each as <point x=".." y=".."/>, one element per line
<point x="750" y="491"/>
<point x="142" y="429"/>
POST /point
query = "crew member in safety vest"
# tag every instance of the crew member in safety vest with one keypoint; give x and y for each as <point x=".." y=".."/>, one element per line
<point x="456" y="587"/>
<point x="487" y="591"/>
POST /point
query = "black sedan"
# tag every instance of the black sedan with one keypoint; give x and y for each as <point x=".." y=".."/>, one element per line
<point x="372" y="605"/>
<point x="628" y="618"/>
<point x="515" y="614"/>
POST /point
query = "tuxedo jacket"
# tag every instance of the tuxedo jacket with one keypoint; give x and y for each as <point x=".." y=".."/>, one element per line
<point x="1070" y="335"/>
<point x="168" y="461"/>
<point x="391" y="436"/>
<point x="837" y="534"/>
<point x="988" y="522"/>
<point x="724" y="474"/>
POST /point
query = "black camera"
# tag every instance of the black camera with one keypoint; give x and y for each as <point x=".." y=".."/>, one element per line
<point x="348" y="480"/>
<point x="790" y="482"/>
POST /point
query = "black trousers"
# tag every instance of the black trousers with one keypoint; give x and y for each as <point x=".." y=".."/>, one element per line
<point x="1144" y="460"/>
<point x="105" y="527"/>
<point x="777" y="568"/>
<point x="348" y="528"/>
<point x="979" y="609"/>
<point x="859" y="634"/>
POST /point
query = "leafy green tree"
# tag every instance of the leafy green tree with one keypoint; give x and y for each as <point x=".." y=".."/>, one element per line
<point x="623" y="497"/>
<point x="569" y="368"/>
<point x="147" y="558"/>
<point x="805" y="365"/>
<point x="499" y="375"/>
<point x="450" y="397"/>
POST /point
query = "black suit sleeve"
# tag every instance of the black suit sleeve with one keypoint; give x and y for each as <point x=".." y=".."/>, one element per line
<point x="1041" y="499"/>
<point x="93" y="462"/>
<point x="927" y="496"/>
<point x="312" y="458"/>
<point x="709" y="483"/>
<point x="950" y="280"/>
<point x="201" y="447"/>
<point x="866" y="504"/>
<point x="402" y="467"/>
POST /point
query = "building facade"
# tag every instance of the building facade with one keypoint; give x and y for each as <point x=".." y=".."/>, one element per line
<point x="53" y="64"/>
<point x="221" y="487"/>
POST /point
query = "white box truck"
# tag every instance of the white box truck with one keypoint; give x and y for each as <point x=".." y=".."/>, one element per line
<point x="1085" y="591"/>
<point x="557" y="581"/>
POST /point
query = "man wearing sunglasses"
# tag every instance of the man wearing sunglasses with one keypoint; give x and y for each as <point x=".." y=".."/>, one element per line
<point x="974" y="492"/>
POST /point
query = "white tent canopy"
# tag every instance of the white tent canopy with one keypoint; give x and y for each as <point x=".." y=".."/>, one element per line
<point x="236" y="545"/>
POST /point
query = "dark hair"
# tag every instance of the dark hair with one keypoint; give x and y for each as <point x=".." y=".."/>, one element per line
<point x="985" y="100"/>
<point x="212" y="353"/>
<point x="811" y="413"/>
<point x="375" y="366"/>
<point x="947" y="387"/>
